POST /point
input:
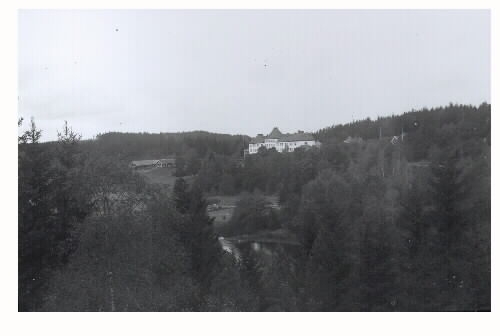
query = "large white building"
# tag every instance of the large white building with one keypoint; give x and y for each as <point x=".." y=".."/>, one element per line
<point x="281" y="142"/>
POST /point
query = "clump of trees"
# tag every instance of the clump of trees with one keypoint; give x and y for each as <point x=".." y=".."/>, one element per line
<point x="253" y="213"/>
<point x="154" y="256"/>
<point x="94" y="237"/>
<point x="53" y="198"/>
<point x="383" y="226"/>
<point x="189" y="148"/>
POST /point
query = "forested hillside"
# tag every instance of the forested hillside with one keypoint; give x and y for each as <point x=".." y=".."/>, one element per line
<point x="188" y="147"/>
<point x="428" y="127"/>
<point x="380" y="224"/>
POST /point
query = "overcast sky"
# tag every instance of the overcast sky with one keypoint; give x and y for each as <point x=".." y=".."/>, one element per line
<point x="243" y="72"/>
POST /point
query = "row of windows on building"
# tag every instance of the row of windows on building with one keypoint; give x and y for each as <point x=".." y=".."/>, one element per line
<point x="280" y="146"/>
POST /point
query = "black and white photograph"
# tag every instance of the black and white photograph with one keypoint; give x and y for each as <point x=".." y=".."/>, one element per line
<point x="253" y="160"/>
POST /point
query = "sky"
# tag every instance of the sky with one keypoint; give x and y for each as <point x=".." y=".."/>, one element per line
<point x="244" y="71"/>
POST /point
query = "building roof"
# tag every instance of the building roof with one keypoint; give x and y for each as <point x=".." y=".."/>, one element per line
<point x="257" y="139"/>
<point x="144" y="162"/>
<point x="419" y="164"/>
<point x="167" y="160"/>
<point x="276" y="134"/>
<point x="297" y="137"/>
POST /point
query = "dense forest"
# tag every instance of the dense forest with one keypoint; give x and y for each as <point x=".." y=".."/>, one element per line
<point x="398" y="220"/>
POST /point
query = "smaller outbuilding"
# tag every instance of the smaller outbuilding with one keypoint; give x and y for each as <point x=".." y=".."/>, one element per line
<point x="160" y="163"/>
<point x="350" y="140"/>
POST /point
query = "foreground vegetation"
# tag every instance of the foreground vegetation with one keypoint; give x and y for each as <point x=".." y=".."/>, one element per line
<point x="380" y="225"/>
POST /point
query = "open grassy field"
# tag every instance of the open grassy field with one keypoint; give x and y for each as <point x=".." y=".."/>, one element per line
<point x="163" y="176"/>
<point x="221" y="207"/>
<point x="221" y="216"/>
<point x="224" y="200"/>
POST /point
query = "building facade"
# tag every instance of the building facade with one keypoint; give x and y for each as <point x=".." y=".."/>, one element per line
<point x="281" y="142"/>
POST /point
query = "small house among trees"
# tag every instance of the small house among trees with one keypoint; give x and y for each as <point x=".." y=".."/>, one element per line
<point x="351" y="139"/>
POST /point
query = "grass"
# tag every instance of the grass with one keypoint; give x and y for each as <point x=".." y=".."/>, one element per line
<point x="225" y="206"/>
<point x="221" y="216"/>
<point x="163" y="176"/>
<point x="223" y="200"/>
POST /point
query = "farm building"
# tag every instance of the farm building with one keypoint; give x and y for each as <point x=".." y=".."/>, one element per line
<point x="160" y="163"/>
<point x="351" y="140"/>
<point x="167" y="163"/>
<point x="282" y="142"/>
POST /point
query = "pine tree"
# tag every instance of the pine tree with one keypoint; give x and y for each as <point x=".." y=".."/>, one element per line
<point x="37" y="237"/>
<point x="200" y="241"/>
<point x="181" y="195"/>
<point x="73" y="193"/>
